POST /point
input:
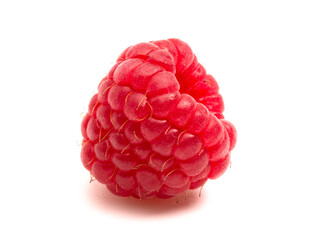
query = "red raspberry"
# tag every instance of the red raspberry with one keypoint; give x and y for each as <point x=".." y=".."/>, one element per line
<point x="156" y="126"/>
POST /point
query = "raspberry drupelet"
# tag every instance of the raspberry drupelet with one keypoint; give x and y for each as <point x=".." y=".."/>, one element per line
<point x="156" y="126"/>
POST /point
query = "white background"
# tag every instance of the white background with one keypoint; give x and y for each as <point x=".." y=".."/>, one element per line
<point x="54" y="53"/>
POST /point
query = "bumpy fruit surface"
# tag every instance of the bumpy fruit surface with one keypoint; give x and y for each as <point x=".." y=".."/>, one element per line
<point x="156" y="126"/>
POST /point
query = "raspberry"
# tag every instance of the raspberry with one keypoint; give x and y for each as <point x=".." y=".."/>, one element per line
<point x="156" y="126"/>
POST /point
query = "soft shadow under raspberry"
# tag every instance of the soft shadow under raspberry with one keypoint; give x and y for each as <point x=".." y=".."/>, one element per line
<point x="102" y="199"/>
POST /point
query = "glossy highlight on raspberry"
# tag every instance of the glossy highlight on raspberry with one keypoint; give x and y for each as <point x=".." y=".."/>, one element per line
<point x="156" y="128"/>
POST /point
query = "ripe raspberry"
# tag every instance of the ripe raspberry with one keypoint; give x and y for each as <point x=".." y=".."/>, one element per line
<point x="156" y="126"/>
